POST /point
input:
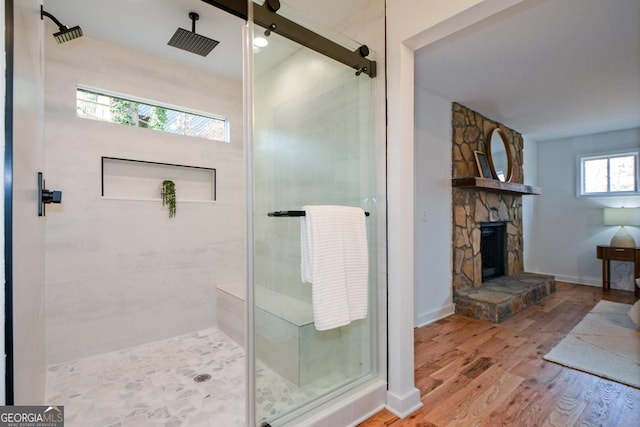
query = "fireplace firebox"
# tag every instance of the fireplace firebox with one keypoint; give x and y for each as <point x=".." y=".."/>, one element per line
<point x="493" y="249"/>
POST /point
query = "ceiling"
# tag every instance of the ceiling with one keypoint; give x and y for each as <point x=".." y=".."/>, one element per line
<point x="147" y="25"/>
<point x="548" y="69"/>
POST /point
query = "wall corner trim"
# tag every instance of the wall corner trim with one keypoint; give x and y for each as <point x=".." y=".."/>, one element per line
<point x="402" y="406"/>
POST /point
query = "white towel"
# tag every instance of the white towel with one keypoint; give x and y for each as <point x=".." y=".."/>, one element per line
<point x="335" y="259"/>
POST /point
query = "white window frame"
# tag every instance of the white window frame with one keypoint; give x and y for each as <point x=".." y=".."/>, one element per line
<point x="580" y="175"/>
<point x="227" y="130"/>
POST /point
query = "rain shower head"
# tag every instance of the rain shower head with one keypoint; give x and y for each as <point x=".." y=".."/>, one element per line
<point x="68" y="34"/>
<point x="65" y="34"/>
<point x="191" y="41"/>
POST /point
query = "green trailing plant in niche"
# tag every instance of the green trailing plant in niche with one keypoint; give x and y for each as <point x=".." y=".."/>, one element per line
<point x="169" y="196"/>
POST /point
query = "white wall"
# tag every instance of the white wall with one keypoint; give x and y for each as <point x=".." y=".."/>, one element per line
<point x="568" y="228"/>
<point x="410" y="26"/>
<point x="433" y="292"/>
<point x="120" y="272"/>
<point x="28" y="228"/>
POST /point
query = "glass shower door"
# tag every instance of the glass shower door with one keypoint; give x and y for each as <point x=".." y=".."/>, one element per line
<point x="313" y="144"/>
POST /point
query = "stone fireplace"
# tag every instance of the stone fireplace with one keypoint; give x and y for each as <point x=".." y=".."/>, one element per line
<point x="489" y="210"/>
<point x="471" y="208"/>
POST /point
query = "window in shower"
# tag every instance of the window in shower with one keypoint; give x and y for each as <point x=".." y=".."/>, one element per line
<point x="128" y="111"/>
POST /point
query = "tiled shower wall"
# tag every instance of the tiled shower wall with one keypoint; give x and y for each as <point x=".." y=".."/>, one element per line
<point x="121" y="272"/>
<point x="471" y="206"/>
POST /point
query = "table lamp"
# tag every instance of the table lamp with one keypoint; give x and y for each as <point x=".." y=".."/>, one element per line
<point x="622" y="216"/>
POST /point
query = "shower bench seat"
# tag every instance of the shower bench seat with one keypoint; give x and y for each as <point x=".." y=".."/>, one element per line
<point x="230" y="302"/>
<point x="286" y="338"/>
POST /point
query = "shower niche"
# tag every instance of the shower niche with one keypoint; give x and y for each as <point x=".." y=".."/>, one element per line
<point x="128" y="179"/>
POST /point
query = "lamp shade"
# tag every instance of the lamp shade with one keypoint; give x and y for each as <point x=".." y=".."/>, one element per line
<point x="622" y="216"/>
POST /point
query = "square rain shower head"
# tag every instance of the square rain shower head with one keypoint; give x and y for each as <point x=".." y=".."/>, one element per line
<point x="68" y="34"/>
<point x="192" y="42"/>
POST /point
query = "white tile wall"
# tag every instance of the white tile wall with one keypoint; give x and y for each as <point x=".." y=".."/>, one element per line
<point x="121" y="272"/>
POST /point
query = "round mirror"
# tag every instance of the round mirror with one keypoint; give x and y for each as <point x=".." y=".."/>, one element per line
<point x="499" y="155"/>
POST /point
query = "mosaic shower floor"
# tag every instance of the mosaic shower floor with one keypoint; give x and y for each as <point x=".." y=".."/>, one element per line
<point x="153" y="385"/>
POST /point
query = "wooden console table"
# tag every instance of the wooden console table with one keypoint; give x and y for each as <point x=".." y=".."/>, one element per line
<point x="607" y="253"/>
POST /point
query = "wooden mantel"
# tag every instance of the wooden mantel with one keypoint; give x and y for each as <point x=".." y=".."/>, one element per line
<point x="494" y="185"/>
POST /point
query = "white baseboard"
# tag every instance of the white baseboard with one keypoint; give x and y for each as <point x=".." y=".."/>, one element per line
<point x="350" y="410"/>
<point x="433" y="315"/>
<point x="589" y="281"/>
<point x="367" y="416"/>
<point x="403" y="406"/>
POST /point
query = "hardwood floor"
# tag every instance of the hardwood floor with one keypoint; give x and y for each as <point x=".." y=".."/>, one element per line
<point x="475" y="373"/>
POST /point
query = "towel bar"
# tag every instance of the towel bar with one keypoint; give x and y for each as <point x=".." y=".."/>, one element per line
<point x="294" y="213"/>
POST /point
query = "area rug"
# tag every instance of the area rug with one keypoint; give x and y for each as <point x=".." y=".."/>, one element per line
<point x="605" y="343"/>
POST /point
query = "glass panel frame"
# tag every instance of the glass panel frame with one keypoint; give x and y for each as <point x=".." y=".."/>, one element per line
<point x="301" y="155"/>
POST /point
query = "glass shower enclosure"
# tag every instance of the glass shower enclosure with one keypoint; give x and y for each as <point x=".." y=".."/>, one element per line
<point x="312" y="144"/>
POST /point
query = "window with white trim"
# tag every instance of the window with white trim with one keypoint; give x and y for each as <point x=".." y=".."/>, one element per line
<point x="609" y="174"/>
<point x="134" y="112"/>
